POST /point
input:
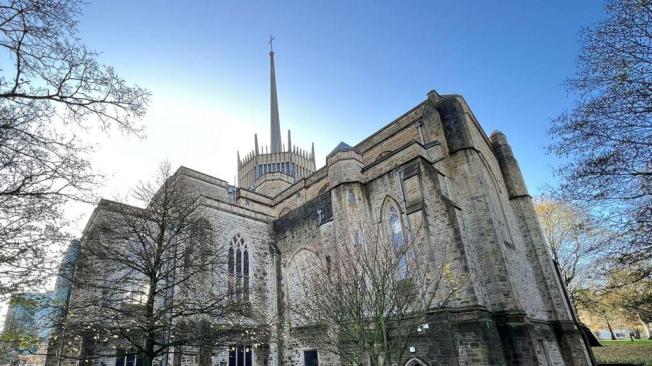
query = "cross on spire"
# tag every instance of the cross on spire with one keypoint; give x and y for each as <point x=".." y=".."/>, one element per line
<point x="271" y="45"/>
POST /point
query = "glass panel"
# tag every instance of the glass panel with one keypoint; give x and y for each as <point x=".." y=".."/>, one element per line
<point x="310" y="358"/>
<point x="232" y="356"/>
<point x="238" y="262"/>
<point x="357" y="237"/>
<point x="238" y="288"/>
<point x="231" y="260"/>
<point x="398" y="239"/>
<point x="240" y="356"/>
<point x="245" y="263"/>
<point x="119" y="357"/>
<point x="248" y="357"/>
<point x="397" y="229"/>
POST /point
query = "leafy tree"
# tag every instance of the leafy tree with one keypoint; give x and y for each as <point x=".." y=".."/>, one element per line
<point x="578" y="243"/>
<point x="623" y="298"/>
<point x="607" y="137"/>
<point x="632" y="291"/>
<point x="50" y="85"/>
<point x="600" y="311"/>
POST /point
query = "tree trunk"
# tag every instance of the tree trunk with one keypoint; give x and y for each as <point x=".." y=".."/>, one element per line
<point x="646" y="329"/>
<point x="611" y="331"/>
<point x="150" y="321"/>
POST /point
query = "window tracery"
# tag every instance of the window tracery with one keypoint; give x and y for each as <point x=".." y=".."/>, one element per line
<point x="238" y="268"/>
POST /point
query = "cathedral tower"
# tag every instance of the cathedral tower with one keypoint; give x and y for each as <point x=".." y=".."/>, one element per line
<point x="269" y="170"/>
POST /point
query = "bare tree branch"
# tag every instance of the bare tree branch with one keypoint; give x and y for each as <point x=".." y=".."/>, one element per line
<point x="50" y="73"/>
<point x="370" y="297"/>
<point x="607" y="136"/>
<point x="151" y="278"/>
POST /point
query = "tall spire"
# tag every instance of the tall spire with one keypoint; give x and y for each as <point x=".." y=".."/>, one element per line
<point x="274" y="119"/>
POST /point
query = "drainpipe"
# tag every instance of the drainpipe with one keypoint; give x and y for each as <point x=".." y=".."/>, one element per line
<point x="419" y="126"/>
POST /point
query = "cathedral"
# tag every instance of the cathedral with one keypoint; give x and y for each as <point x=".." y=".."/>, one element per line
<point x="432" y="173"/>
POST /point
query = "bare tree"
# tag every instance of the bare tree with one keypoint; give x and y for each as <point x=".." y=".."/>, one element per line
<point x="153" y="278"/>
<point x="370" y="296"/>
<point x="607" y="136"/>
<point x="50" y="85"/>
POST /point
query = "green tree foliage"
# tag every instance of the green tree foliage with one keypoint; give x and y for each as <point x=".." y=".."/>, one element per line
<point x="578" y="243"/>
<point x="632" y="292"/>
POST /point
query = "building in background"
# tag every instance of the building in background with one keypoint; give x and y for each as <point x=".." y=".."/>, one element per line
<point x="59" y="300"/>
<point x="32" y="318"/>
<point x="26" y="325"/>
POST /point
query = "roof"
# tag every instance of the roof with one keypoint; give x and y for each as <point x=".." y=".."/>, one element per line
<point x="342" y="146"/>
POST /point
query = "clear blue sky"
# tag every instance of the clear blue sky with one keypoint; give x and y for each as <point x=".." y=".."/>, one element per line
<point x="345" y="68"/>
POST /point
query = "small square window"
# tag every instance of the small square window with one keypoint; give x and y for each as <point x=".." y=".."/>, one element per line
<point x="358" y="239"/>
<point x="351" y="197"/>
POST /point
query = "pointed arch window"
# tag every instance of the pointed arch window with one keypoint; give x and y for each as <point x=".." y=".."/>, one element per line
<point x="415" y="362"/>
<point x="238" y="264"/>
<point x="397" y="236"/>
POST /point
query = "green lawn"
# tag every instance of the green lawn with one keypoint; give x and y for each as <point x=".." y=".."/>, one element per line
<point x="638" y="352"/>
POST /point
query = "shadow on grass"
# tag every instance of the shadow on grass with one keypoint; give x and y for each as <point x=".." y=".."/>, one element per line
<point x="624" y="353"/>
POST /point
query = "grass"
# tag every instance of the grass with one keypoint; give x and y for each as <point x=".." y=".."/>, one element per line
<point x="638" y="352"/>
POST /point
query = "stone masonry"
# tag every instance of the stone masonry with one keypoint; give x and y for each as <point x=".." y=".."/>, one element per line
<point x="458" y="190"/>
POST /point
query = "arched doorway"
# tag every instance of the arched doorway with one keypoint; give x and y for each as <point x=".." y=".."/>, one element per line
<point x="415" y="362"/>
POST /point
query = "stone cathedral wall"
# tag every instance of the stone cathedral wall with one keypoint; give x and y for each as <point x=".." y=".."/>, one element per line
<point x="258" y="240"/>
<point x="301" y="232"/>
<point x="460" y="196"/>
<point x="456" y="204"/>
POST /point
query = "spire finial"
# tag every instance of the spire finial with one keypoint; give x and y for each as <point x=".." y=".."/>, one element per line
<point x="271" y="45"/>
<point x="275" y="124"/>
